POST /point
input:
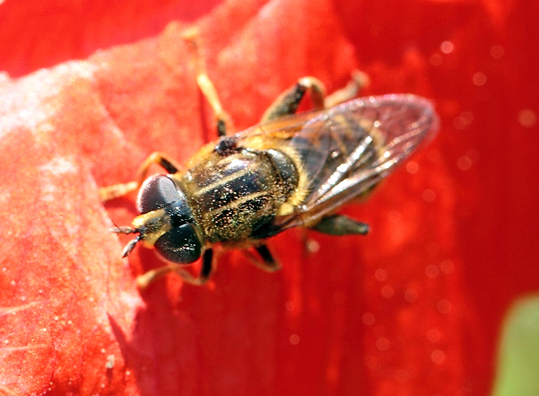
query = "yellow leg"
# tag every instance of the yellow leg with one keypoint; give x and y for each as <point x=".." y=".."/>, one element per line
<point x="264" y="260"/>
<point x="287" y="103"/>
<point x="222" y="119"/>
<point x="359" y="80"/>
<point x="118" y="190"/>
<point x="208" y="265"/>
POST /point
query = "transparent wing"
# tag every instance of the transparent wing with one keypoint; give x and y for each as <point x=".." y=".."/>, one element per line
<point x="347" y="149"/>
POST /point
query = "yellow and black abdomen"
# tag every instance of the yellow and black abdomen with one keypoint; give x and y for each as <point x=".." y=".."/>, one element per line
<point x="235" y="196"/>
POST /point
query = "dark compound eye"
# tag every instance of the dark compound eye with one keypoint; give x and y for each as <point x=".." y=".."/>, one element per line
<point x="180" y="245"/>
<point x="156" y="193"/>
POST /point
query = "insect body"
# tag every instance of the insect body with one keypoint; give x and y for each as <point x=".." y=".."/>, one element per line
<point x="291" y="170"/>
<point x="294" y="171"/>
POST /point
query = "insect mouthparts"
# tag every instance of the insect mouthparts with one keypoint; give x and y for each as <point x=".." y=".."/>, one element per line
<point x="130" y="246"/>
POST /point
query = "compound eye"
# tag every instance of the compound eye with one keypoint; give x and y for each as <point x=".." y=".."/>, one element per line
<point x="156" y="193"/>
<point x="179" y="245"/>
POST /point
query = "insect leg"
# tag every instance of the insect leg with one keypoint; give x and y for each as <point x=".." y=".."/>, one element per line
<point x="192" y="37"/>
<point x="359" y="81"/>
<point x="118" y="190"/>
<point x="206" y="270"/>
<point x="340" y="225"/>
<point x="264" y="260"/>
<point x="144" y="280"/>
<point x="287" y="103"/>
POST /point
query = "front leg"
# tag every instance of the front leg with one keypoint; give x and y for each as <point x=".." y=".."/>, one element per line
<point x="118" y="190"/>
<point x="192" y="38"/>
<point x="208" y="264"/>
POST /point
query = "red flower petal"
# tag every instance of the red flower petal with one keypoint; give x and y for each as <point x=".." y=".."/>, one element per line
<point x="380" y="315"/>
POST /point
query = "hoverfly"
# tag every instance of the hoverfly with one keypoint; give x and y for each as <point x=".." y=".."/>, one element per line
<point x="292" y="170"/>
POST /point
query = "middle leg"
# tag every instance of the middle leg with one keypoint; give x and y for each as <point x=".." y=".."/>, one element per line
<point x="264" y="260"/>
<point x="287" y="103"/>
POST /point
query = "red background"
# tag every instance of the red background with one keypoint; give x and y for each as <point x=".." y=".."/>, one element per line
<point x="415" y="308"/>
